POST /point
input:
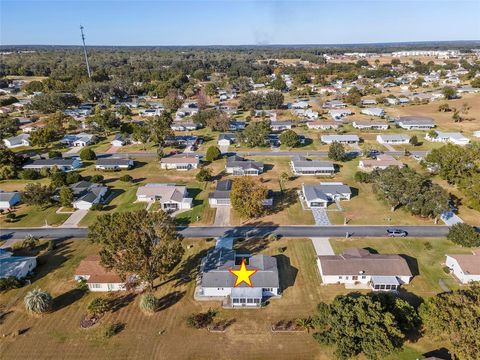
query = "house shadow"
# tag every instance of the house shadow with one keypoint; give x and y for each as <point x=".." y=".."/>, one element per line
<point x="307" y="142"/>
<point x="138" y="180"/>
<point x="193" y="193"/>
<point x="287" y="273"/>
<point x="354" y="191"/>
<point x="267" y="167"/>
<point x="139" y="164"/>
<point x="371" y="250"/>
<point x="442" y="353"/>
<point x="48" y="261"/>
<point x="188" y="268"/>
<point x="67" y="298"/>
<point x="412" y="264"/>
<point x="121" y="301"/>
<point x="169" y="300"/>
<point x="4" y="314"/>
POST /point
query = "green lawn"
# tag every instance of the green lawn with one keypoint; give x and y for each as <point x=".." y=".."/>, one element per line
<point x="33" y="216"/>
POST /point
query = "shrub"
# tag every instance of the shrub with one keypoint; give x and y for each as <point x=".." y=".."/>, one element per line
<point x="126" y="178"/>
<point x="204" y="175"/>
<point x="38" y="301"/>
<point x="54" y="154"/>
<point x="428" y="246"/>
<point x="87" y="154"/>
<point x="98" y="306"/>
<point x="97" y="179"/>
<point x="82" y="285"/>
<point x="213" y="153"/>
<point x="363" y="177"/>
<point x="97" y="207"/>
<point x="112" y="330"/>
<point x="464" y="235"/>
<point x="72" y="177"/>
<point x="148" y="303"/>
<point x="9" y="283"/>
<point x="29" y="174"/>
<point x="201" y="320"/>
<point x="30" y="242"/>
<point x="11" y="217"/>
<point x="336" y="152"/>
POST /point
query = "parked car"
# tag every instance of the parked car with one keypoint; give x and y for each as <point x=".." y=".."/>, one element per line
<point x="396" y="233"/>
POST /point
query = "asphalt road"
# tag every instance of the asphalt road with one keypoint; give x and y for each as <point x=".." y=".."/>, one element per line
<point x="243" y="231"/>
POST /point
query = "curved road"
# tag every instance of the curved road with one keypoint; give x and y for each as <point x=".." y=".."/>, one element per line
<point x="299" y="231"/>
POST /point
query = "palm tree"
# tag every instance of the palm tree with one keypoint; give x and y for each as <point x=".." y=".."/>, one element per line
<point x="38" y="301"/>
<point x="305" y="323"/>
<point x="30" y="242"/>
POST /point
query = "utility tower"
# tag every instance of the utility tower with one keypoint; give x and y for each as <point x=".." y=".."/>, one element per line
<point x="85" y="51"/>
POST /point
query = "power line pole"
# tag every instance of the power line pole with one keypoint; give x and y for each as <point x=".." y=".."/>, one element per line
<point x="85" y="52"/>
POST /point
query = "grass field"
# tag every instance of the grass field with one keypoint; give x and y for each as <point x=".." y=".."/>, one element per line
<point x="163" y="335"/>
<point x="33" y="216"/>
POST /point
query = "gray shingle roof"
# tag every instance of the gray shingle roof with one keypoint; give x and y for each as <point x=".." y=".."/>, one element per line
<point x="300" y="162"/>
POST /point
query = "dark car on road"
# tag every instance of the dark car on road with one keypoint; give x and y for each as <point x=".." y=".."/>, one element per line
<point x="396" y="233"/>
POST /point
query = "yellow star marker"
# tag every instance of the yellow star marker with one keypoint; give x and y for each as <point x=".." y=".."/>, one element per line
<point x="243" y="274"/>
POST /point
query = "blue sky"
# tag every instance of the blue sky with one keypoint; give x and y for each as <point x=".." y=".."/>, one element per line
<point x="236" y="22"/>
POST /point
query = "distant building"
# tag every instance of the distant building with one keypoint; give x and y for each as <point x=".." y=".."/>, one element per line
<point x="393" y="139"/>
<point x="452" y="137"/>
<point x="381" y="162"/>
<point x="323" y="125"/>
<point x="170" y="196"/>
<point x="373" y="125"/>
<point x="180" y="162"/>
<point x="226" y="139"/>
<point x="114" y="164"/>
<point x="373" y="112"/>
<point x="17" y="141"/>
<point x="342" y="139"/>
<point x="60" y="164"/>
<point x="9" y="199"/>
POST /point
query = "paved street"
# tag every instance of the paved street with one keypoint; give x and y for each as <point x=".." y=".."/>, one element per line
<point x="240" y="231"/>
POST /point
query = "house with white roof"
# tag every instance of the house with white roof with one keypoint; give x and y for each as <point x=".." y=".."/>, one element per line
<point x="319" y="196"/>
<point x="415" y="122"/>
<point x="465" y="267"/>
<point x="334" y="104"/>
<point x="180" y="162"/>
<point x="240" y="166"/>
<point x="323" y="125"/>
<point x="393" y="139"/>
<point x="452" y="137"/>
<point x="342" y="139"/>
<point x="170" y="196"/>
<point x="338" y="114"/>
<point x="373" y="112"/>
<point x="118" y="140"/>
<point x="114" y="164"/>
<point x="17" y="141"/>
<point x="354" y="267"/>
<point x="79" y="140"/>
<point x="370" y="125"/>
<point x="303" y="166"/>
<point x="16" y="266"/>
<point x="226" y="139"/>
<point x="185" y="126"/>
<point x="281" y="125"/>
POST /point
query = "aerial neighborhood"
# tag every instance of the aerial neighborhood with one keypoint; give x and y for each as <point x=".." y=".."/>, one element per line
<point x="186" y="198"/>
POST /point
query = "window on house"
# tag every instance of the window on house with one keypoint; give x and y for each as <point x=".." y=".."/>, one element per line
<point x="236" y="301"/>
<point x="96" y="286"/>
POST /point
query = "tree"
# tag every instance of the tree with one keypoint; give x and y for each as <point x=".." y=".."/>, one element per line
<point x="98" y="306"/>
<point x="305" y="323"/>
<point x="354" y="96"/>
<point x="126" y="178"/>
<point x="66" y="196"/>
<point x="8" y="127"/>
<point x="279" y="84"/>
<point x="141" y="133"/>
<point x="87" y="154"/>
<point x="201" y="320"/>
<point x="255" y="134"/>
<point x="475" y="82"/>
<point x="173" y="100"/>
<point x="449" y="92"/>
<point x="37" y="194"/>
<point x="104" y="122"/>
<point x="38" y="301"/>
<point x="44" y="136"/>
<point x="9" y="163"/>
<point x="140" y="242"/>
<point x="202" y="100"/>
<point x="453" y="316"/>
<point x="160" y="128"/>
<point x="290" y="138"/>
<point x="204" y="175"/>
<point x="413" y="140"/>
<point x="213" y="153"/>
<point x="51" y="102"/>
<point x="97" y="179"/>
<point x="148" y="303"/>
<point x="444" y="107"/>
<point x="247" y="197"/>
<point x="336" y="152"/>
<point x="362" y="177"/>
<point x="464" y="235"/>
<point x="30" y="242"/>
<point x="373" y="325"/>
<point x="283" y="178"/>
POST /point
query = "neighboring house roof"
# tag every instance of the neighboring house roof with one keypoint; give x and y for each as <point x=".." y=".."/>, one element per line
<point x="7" y="196"/>
<point x="17" y="140"/>
<point x="13" y="265"/>
<point x="51" y="162"/>
<point x="91" y="266"/>
<point x="324" y="191"/>
<point x="227" y="136"/>
<point x="222" y="191"/>
<point x="301" y="162"/>
<point x="392" y="137"/>
<point x="470" y="264"/>
<point x="369" y="123"/>
<point x="361" y="262"/>
<point x="382" y="160"/>
<point x="216" y="265"/>
<point x="167" y="192"/>
<point x="327" y="138"/>
<point x="416" y="120"/>
<point x="113" y="161"/>
<point x="180" y="159"/>
<point x="239" y="162"/>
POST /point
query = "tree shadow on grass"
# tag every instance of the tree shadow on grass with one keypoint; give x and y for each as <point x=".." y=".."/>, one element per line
<point x="169" y="300"/>
<point x="67" y="298"/>
<point x="119" y="302"/>
<point x="282" y="200"/>
<point x="189" y="268"/>
<point x="441" y="353"/>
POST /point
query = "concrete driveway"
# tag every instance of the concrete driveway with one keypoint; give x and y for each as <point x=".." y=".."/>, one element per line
<point x="320" y="216"/>
<point x="322" y="246"/>
<point x="74" y="219"/>
<point x="222" y="216"/>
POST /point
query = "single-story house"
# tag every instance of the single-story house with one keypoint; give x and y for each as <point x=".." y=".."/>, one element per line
<point x="16" y="266"/>
<point x="28" y="128"/>
<point x="221" y="195"/>
<point x="467" y="89"/>
<point x="183" y="140"/>
<point x="226" y="139"/>
<point x="281" y="125"/>
<point x="113" y="163"/>
<point x="300" y="104"/>
<point x="380" y="272"/>
<point x="59" y="163"/>
<point x="302" y="166"/>
<point x="184" y="126"/>
<point x="239" y="166"/>
<point x="99" y="278"/>
<point x="374" y="125"/>
<point x="334" y="104"/>
<point x="342" y="139"/>
<point x="118" y="140"/>
<point x="217" y="282"/>
<point x="415" y="122"/>
<point x="465" y="267"/>
<point x="319" y="196"/>
<point x="382" y="161"/>
<point x="170" y="196"/>
<point x="151" y="112"/>
<point x="453" y="137"/>
<point x="373" y="112"/>
<point x="306" y="113"/>
<point x="393" y="139"/>
<point x="181" y="162"/>
<point x="369" y="102"/>
<point x="79" y="140"/>
<point x="237" y="125"/>
<point x="87" y="194"/>
<point x="338" y="114"/>
<point x="9" y="199"/>
<point x="17" y="141"/>
<point x="323" y="125"/>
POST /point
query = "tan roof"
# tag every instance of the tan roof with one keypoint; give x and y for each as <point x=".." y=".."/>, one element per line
<point x="360" y="261"/>
<point x="98" y="274"/>
<point x="470" y="264"/>
<point x="182" y="159"/>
